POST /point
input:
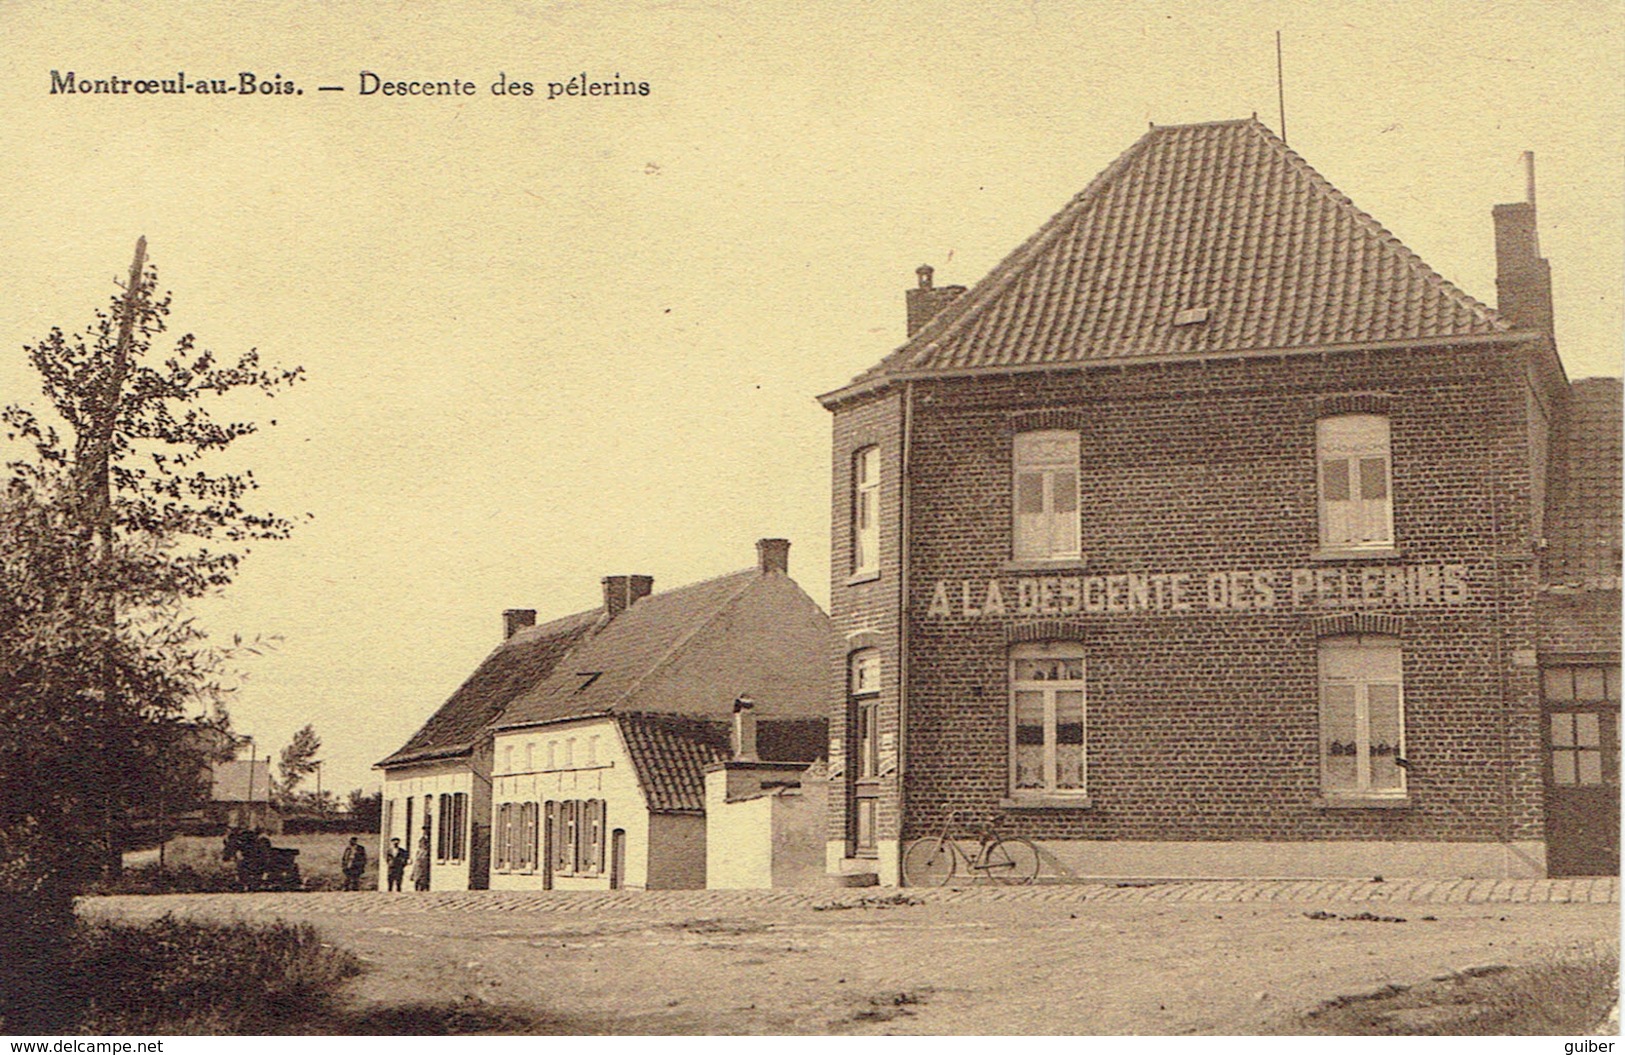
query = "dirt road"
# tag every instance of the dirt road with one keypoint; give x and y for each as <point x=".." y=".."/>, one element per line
<point x="1175" y="958"/>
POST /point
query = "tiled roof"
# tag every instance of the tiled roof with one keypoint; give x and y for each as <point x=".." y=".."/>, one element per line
<point x="670" y="752"/>
<point x="792" y="739"/>
<point x="1220" y="218"/>
<point x="519" y="663"/>
<point x="1584" y="533"/>
<point x="621" y="666"/>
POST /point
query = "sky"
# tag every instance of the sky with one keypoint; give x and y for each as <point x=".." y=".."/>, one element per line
<point x="552" y="340"/>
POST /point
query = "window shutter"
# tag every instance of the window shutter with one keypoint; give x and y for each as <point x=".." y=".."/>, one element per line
<point x="525" y="852"/>
<point x="550" y="840"/>
<point x="500" y="851"/>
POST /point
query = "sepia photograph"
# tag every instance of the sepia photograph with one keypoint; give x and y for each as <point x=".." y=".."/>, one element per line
<point x="667" y="518"/>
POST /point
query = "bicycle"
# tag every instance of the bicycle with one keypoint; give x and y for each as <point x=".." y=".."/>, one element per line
<point x="933" y="860"/>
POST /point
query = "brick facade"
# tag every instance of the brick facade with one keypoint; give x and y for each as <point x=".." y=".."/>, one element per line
<point x="1202" y="595"/>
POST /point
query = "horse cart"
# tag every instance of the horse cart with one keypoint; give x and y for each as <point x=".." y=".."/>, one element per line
<point x="261" y="866"/>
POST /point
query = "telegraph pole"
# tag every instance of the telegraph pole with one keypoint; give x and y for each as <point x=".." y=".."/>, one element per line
<point x="93" y="458"/>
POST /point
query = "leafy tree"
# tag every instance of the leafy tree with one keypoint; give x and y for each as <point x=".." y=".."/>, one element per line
<point x="299" y="760"/>
<point x="108" y="526"/>
<point x="367" y="811"/>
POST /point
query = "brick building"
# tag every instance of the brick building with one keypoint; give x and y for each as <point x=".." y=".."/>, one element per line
<point x="1212" y="533"/>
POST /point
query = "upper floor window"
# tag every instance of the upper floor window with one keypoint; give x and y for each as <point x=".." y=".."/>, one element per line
<point x="866" y="511"/>
<point x="1047" y="715"/>
<point x="1046" y="495"/>
<point x="1356" y="503"/>
<point x="1362" y="716"/>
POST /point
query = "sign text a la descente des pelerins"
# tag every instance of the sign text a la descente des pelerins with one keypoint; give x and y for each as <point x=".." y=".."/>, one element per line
<point x="1385" y="586"/>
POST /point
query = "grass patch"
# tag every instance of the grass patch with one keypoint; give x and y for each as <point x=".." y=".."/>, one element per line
<point x="183" y="978"/>
<point x="193" y="865"/>
<point x="1565" y="996"/>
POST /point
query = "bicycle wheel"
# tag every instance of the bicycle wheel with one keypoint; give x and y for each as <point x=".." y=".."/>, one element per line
<point x="1009" y="861"/>
<point x="928" y="862"/>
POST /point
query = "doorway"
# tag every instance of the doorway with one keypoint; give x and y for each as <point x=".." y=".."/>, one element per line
<point x="1580" y="719"/>
<point x="617" y="859"/>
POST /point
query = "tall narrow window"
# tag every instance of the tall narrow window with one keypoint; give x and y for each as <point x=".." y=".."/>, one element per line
<point x="1362" y="716"/>
<point x="1356" y="503"/>
<point x="1046" y="496"/>
<point x="863" y="715"/>
<point x="866" y="511"/>
<point x="502" y="837"/>
<point x="525" y="838"/>
<point x="1048" y="752"/>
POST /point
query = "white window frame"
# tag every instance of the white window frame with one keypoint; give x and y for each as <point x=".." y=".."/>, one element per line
<point x="1052" y="457"/>
<point x="866" y="510"/>
<point x="1361" y="662"/>
<point x="1057" y="650"/>
<point x="1351" y="446"/>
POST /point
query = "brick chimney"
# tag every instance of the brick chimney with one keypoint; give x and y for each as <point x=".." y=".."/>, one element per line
<point x="622" y="591"/>
<point x="1523" y="278"/>
<point x="517" y="619"/>
<point x="773" y="554"/>
<point x="744" y="737"/>
<point x="925" y="301"/>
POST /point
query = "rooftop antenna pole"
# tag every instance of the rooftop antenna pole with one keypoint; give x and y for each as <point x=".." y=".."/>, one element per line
<point x="1280" y="85"/>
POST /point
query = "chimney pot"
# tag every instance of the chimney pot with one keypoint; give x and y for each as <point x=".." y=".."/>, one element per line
<point x="744" y="738"/>
<point x="773" y="554"/>
<point x="924" y="302"/>
<point x="517" y="619"/>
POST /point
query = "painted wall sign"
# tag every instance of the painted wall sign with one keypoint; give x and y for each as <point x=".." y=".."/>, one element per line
<point x="1385" y="586"/>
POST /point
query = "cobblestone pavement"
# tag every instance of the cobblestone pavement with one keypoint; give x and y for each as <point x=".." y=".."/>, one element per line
<point x="1593" y="891"/>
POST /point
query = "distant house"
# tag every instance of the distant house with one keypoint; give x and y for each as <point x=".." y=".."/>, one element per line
<point x="574" y="757"/>
<point x="240" y="794"/>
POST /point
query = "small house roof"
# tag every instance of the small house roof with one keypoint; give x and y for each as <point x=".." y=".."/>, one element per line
<point x="693" y="650"/>
<point x="1199" y="239"/>
<point x="1584" y="532"/>
<point x="1579" y="609"/>
<point x="670" y="752"/>
<point x="517" y="664"/>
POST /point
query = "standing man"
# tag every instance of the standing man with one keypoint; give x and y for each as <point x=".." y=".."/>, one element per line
<point x="396" y="858"/>
<point x="353" y="864"/>
<point x="420" y="864"/>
